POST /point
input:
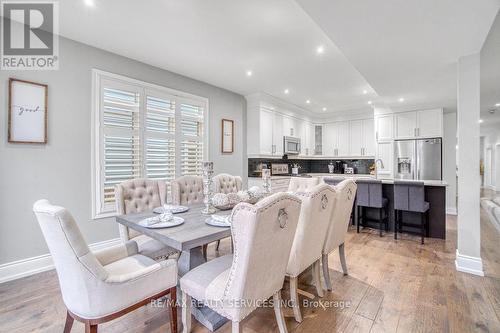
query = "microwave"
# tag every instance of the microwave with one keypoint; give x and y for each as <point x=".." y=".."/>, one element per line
<point x="291" y="145"/>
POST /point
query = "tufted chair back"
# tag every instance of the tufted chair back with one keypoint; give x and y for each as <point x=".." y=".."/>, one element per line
<point x="225" y="183"/>
<point x="263" y="235"/>
<point x="315" y="214"/>
<point x="298" y="184"/>
<point x="339" y="223"/>
<point x="187" y="190"/>
<point x="138" y="195"/>
<point x="77" y="268"/>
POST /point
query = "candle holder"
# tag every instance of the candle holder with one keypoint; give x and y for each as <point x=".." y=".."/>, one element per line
<point x="266" y="177"/>
<point x="208" y="171"/>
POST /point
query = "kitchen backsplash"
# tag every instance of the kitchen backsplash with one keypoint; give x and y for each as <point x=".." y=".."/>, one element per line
<point x="307" y="166"/>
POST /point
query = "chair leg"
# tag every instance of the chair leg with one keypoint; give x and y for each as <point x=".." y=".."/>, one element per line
<point x="326" y="272"/>
<point x="342" y="258"/>
<point x="204" y="251"/>
<point x="172" y="307"/>
<point x="386" y="209"/>
<point x="396" y="215"/>
<point x="217" y="244"/>
<point x="317" y="278"/>
<point x="69" y="323"/>
<point x="236" y="327"/>
<point x="294" y="296"/>
<point x="186" y="313"/>
<point x="90" y="328"/>
<point x="359" y="218"/>
<point x="427" y="226"/>
<point x="422" y="228"/>
<point x="278" y="311"/>
<point x="380" y="221"/>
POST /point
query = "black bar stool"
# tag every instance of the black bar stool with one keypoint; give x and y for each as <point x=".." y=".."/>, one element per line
<point x="409" y="196"/>
<point x="369" y="195"/>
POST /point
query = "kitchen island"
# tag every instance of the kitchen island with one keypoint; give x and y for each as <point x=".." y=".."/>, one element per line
<point x="435" y="194"/>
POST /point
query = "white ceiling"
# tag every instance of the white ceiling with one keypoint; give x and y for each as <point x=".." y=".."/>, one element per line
<point x="390" y="48"/>
<point x="406" y="48"/>
<point x="217" y="41"/>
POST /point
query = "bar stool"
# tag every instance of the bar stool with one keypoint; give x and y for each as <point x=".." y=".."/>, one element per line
<point x="369" y="195"/>
<point x="409" y="196"/>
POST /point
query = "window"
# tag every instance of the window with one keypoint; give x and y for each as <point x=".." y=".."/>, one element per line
<point x="142" y="130"/>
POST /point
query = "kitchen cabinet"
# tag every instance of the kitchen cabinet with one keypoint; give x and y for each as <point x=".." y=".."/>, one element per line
<point x="406" y="125"/>
<point x="278" y="134"/>
<point x="419" y="124"/>
<point x="307" y="138"/>
<point x="266" y="132"/>
<point x="362" y="137"/>
<point x="430" y="123"/>
<point x="385" y="153"/>
<point x="278" y="184"/>
<point x="384" y="127"/>
<point x="336" y="139"/>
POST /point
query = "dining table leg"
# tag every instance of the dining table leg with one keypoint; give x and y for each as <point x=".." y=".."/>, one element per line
<point x="188" y="260"/>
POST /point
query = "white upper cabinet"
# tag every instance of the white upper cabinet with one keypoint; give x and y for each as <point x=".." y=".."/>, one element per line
<point x="330" y="139"/>
<point x="288" y="126"/>
<point x="356" y="134"/>
<point x="384" y="127"/>
<point x="362" y="137"/>
<point x="278" y="130"/>
<point x="343" y="138"/>
<point x="419" y="124"/>
<point x="266" y="132"/>
<point x="430" y="123"/>
<point x="406" y="125"/>
<point x="369" y="137"/>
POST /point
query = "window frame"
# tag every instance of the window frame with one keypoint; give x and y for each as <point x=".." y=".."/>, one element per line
<point x="98" y="76"/>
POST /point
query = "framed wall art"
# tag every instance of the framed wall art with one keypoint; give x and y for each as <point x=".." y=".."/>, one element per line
<point x="227" y="136"/>
<point x="27" y="112"/>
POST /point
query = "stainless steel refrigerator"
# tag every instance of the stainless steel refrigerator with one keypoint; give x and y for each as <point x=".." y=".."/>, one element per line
<point x="418" y="159"/>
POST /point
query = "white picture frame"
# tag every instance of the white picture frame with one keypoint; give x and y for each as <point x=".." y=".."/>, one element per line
<point x="27" y="112"/>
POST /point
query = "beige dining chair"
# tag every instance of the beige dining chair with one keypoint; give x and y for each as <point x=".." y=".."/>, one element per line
<point x="315" y="214"/>
<point x="339" y="223"/>
<point x="136" y="196"/>
<point x="226" y="183"/>
<point x="298" y="184"/>
<point x="234" y="285"/>
<point x="101" y="286"/>
<point x="187" y="190"/>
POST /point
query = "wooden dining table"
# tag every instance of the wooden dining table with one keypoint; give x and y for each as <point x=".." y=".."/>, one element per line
<point x="188" y="238"/>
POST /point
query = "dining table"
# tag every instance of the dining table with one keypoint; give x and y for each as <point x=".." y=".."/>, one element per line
<point x="188" y="238"/>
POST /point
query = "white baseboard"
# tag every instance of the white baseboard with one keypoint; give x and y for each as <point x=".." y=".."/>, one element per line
<point x="467" y="264"/>
<point x="29" y="266"/>
<point x="451" y="211"/>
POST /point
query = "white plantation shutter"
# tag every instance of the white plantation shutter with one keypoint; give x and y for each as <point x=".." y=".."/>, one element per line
<point x="143" y="131"/>
<point x="191" y="146"/>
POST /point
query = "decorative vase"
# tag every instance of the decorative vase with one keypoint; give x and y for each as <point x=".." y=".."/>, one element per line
<point x="266" y="177"/>
<point x="208" y="171"/>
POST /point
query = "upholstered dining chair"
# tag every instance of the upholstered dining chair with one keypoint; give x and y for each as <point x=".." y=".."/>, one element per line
<point x="187" y="190"/>
<point x="139" y="195"/>
<point x="315" y="214"/>
<point x="226" y="183"/>
<point x="233" y="285"/>
<point x="339" y="223"/>
<point x="298" y="184"/>
<point x="99" y="287"/>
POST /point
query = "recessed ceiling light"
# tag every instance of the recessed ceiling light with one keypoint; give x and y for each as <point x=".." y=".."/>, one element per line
<point x="481" y="121"/>
<point x="369" y="102"/>
<point x="308" y="102"/>
<point x="401" y="99"/>
<point x="249" y="73"/>
<point x="365" y="92"/>
<point x="89" y="3"/>
<point x="498" y="104"/>
<point x="286" y="91"/>
<point x="324" y="109"/>
<point x="320" y="49"/>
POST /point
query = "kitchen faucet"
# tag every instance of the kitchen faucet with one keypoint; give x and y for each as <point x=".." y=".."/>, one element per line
<point x="376" y="166"/>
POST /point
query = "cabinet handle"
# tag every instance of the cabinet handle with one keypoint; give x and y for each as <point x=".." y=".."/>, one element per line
<point x="376" y="135"/>
<point x="415" y="132"/>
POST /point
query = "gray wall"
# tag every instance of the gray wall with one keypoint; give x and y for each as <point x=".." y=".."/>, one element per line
<point x="61" y="170"/>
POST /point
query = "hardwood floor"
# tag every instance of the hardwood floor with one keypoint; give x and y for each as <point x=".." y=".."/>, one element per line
<point x="392" y="286"/>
